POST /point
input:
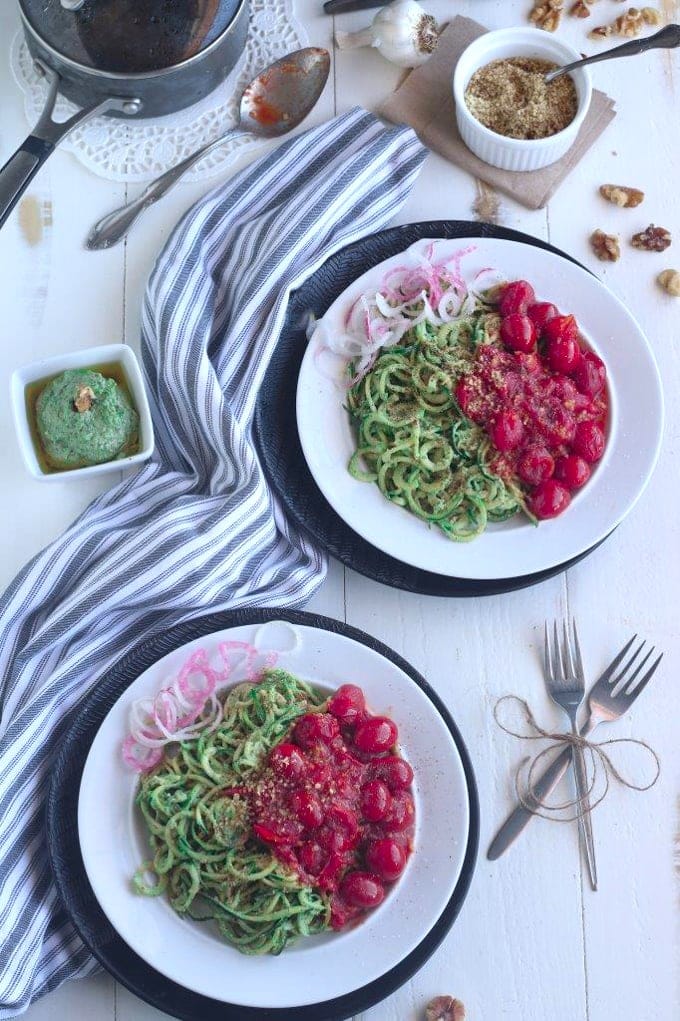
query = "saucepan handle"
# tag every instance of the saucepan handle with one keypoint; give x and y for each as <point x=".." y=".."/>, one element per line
<point x="21" y="168"/>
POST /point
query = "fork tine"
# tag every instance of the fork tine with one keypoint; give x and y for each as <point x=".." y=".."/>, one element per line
<point x="557" y="656"/>
<point x="546" y="654"/>
<point x="642" y="684"/>
<point x="624" y="683"/>
<point x="615" y="662"/>
<point x="626" y="667"/>
<point x="579" y="657"/>
<point x="567" y="652"/>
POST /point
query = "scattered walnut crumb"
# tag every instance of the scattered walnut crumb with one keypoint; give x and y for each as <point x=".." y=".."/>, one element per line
<point x="628" y="25"/>
<point x="83" y="399"/>
<point x="444" y="1008"/>
<point x="605" y="246"/>
<point x="669" y="279"/>
<point x="652" y="239"/>
<point x="580" y="9"/>
<point x="621" y="195"/>
<point x="546" y="14"/>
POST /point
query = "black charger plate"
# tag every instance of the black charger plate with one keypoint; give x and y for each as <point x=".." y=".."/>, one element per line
<point x="276" y="425"/>
<point x="80" y="902"/>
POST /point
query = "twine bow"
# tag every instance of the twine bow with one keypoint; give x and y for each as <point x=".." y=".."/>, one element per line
<point x="598" y="765"/>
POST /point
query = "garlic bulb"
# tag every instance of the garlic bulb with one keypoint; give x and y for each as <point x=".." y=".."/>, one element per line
<point x="402" y="32"/>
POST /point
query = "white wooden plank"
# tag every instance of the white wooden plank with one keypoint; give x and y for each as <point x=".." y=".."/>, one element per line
<point x="91" y="998"/>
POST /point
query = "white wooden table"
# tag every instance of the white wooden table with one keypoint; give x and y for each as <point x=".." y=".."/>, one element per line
<point x="532" y="941"/>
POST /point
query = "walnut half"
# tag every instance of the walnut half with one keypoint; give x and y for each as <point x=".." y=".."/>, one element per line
<point x="621" y="195"/>
<point x="652" y="239"/>
<point x="444" y="1008"/>
<point x="605" y="246"/>
<point x="580" y="9"/>
<point x="546" y="14"/>
<point x="670" y="281"/>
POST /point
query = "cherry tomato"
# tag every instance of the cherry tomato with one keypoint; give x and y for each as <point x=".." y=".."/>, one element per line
<point x="469" y="400"/>
<point x="395" y="772"/>
<point x="386" y="858"/>
<point x="563" y="354"/>
<point x="530" y="362"/>
<point x="376" y="800"/>
<point x="341" y="829"/>
<point x="535" y="464"/>
<point x="549" y="499"/>
<point x="288" y="761"/>
<point x="402" y="813"/>
<point x="516" y="297"/>
<point x="540" y="312"/>
<point x="589" y="441"/>
<point x="561" y="327"/>
<point x="556" y="422"/>
<point x="281" y="832"/>
<point x="376" y="735"/>
<point x="572" y="470"/>
<point x="518" y="332"/>
<point x="590" y="375"/>
<point x="315" y="728"/>
<point x="312" y="857"/>
<point x="507" y="431"/>
<point x="307" y="809"/>
<point x="347" y="704"/>
<point x="362" y="889"/>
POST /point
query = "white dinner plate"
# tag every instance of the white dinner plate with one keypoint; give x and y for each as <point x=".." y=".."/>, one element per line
<point x="320" y="968"/>
<point x="516" y="547"/>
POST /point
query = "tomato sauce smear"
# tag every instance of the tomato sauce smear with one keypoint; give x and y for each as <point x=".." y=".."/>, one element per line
<point x="334" y="803"/>
<point x="541" y="396"/>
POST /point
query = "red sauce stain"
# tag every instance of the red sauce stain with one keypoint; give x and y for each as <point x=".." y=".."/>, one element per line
<point x="264" y="112"/>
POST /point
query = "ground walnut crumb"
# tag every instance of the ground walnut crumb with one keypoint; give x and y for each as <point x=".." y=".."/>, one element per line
<point x="652" y="239"/>
<point x="670" y="281"/>
<point x="546" y="14"/>
<point x="605" y="246"/>
<point x="512" y="98"/>
<point x="444" y="1008"/>
<point x="620" y="195"/>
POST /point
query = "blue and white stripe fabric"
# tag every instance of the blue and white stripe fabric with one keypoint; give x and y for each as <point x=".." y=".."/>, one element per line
<point x="196" y="529"/>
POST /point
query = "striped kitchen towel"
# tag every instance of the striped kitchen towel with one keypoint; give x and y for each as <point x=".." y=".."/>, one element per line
<point x="197" y="528"/>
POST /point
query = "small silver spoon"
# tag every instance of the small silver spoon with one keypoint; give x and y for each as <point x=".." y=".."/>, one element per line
<point x="666" y="39"/>
<point x="274" y="103"/>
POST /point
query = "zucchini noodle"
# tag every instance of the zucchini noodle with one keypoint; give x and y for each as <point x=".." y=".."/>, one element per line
<point x="414" y="441"/>
<point x="204" y="857"/>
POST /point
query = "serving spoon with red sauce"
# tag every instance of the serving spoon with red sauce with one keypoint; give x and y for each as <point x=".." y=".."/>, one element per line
<point x="272" y="104"/>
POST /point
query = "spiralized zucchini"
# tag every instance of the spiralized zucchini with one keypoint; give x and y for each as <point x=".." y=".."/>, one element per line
<point x="414" y="442"/>
<point x="204" y="857"/>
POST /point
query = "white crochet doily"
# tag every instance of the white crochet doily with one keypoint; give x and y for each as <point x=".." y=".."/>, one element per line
<point x="140" y="150"/>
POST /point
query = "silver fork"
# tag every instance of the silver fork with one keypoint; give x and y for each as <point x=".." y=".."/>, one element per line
<point x="611" y="696"/>
<point x="565" y="681"/>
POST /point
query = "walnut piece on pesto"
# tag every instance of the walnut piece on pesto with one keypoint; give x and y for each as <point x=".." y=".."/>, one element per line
<point x="85" y="418"/>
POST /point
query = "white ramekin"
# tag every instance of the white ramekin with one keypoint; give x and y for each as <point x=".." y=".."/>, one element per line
<point x="86" y="359"/>
<point x="517" y="153"/>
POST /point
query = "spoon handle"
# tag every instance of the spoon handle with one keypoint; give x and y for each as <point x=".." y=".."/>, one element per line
<point x="112" y="228"/>
<point x="667" y="38"/>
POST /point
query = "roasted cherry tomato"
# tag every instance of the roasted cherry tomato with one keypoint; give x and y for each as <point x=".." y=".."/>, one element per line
<point x="589" y="441"/>
<point x="590" y="375"/>
<point x="516" y="297"/>
<point x="535" y="464"/>
<point x="375" y="735"/>
<point x="507" y="431"/>
<point x="563" y="354"/>
<point x="549" y="499"/>
<point x="561" y="327"/>
<point x="315" y="728"/>
<point x="572" y="470"/>
<point x="362" y="889"/>
<point x="386" y="858"/>
<point x="288" y="761"/>
<point x="518" y="332"/>
<point x="347" y="704"/>
<point x="540" y="312"/>
<point x="376" y="800"/>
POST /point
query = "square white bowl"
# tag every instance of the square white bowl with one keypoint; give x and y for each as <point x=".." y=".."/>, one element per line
<point x="91" y="356"/>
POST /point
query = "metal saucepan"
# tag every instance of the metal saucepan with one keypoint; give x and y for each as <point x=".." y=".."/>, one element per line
<point x="122" y="58"/>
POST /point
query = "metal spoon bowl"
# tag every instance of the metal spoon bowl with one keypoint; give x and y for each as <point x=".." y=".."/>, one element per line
<point x="666" y="39"/>
<point x="274" y="102"/>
